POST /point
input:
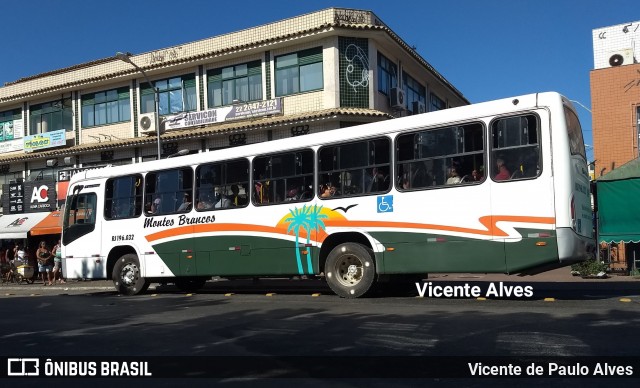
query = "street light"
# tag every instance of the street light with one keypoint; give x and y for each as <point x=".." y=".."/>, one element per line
<point x="126" y="58"/>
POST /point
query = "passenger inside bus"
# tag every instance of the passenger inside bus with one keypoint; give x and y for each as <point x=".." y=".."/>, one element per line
<point x="185" y="206"/>
<point x="405" y="183"/>
<point x="235" y="198"/>
<point x="423" y="175"/>
<point x="327" y="190"/>
<point x="292" y="194"/>
<point x="452" y="176"/>
<point x="477" y="175"/>
<point x="378" y="181"/>
<point x="155" y="205"/>
<point x="503" y="172"/>
<point x="206" y="201"/>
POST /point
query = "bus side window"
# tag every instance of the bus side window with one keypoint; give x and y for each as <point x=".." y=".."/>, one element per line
<point x="515" y="148"/>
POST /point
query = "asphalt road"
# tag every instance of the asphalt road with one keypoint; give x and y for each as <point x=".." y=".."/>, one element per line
<point x="280" y="327"/>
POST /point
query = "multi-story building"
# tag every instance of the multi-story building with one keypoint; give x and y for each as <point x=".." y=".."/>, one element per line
<point x="325" y="70"/>
<point x="615" y="96"/>
<point x="615" y="99"/>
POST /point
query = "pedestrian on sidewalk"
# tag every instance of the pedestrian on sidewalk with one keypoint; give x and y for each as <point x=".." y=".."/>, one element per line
<point x="45" y="263"/>
<point x="57" y="264"/>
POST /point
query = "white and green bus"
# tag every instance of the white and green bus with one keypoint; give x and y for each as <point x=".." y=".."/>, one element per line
<point x="494" y="187"/>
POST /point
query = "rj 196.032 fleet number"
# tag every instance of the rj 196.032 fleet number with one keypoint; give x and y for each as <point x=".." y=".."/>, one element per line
<point x="122" y="237"/>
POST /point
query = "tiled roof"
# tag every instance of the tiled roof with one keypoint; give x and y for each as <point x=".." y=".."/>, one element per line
<point x="201" y="132"/>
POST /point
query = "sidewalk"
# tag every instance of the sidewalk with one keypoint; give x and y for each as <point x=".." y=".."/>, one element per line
<point x="557" y="282"/>
<point x="78" y="285"/>
<point x="555" y="275"/>
<point x="557" y="279"/>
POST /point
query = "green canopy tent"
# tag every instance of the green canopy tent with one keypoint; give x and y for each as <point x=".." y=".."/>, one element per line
<point x="618" y="200"/>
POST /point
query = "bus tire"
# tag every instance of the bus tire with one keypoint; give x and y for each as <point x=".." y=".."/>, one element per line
<point x="126" y="276"/>
<point x="190" y="284"/>
<point x="350" y="270"/>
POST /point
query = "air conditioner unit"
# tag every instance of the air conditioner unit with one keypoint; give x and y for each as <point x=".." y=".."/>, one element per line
<point x="621" y="57"/>
<point x="147" y="123"/>
<point x="397" y="98"/>
<point x="418" y="107"/>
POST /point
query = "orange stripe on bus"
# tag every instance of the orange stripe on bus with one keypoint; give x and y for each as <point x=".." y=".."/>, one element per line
<point x="205" y="228"/>
<point x="489" y="222"/>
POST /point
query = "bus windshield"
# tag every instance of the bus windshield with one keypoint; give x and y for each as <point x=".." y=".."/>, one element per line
<point x="576" y="142"/>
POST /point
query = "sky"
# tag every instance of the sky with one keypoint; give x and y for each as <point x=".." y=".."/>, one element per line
<point x="487" y="49"/>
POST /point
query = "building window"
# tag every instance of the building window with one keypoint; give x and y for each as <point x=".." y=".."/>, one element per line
<point x="413" y="90"/>
<point x="6" y="123"/>
<point x="51" y="116"/>
<point x="435" y="103"/>
<point x="41" y="174"/>
<point x="240" y="82"/>
<point x="108" y="107"/>
<point x="177" y="94"/>
<point x="299" y="72"/>
<point x="387" y="75"/>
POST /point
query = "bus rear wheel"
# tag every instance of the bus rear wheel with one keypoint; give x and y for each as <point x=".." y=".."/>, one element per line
<point x="126" y="276"/>
<point x="350" y="270"/>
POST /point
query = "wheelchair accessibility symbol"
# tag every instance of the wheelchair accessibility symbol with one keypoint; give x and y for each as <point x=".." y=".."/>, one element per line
<point x="385" y="204"/>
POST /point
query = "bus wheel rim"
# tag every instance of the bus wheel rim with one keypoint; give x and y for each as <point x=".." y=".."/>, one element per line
<point x="129" y="274"/>
<point x="349" y="270"/>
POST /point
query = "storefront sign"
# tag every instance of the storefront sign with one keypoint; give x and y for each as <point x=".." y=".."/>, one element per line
<point x="11" y="146"/>
<point x="11" y="134"/>
<point x="40" y="196"/>
<point x="227" y="113"/>
<point x="45" y="140"/>
<point x="12" y="129"/>
<point x="16" y="198"/>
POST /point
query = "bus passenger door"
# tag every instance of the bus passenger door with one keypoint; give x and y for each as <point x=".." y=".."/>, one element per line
<point x="82" y="236"/>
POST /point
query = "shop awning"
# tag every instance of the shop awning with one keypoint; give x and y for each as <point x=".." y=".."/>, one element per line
<point x="618" y="210"/>
<point x="17" y="226"/>
<point x="51" y="224"/>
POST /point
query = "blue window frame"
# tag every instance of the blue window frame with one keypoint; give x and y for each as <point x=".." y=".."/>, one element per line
<point x="387" y="74"/>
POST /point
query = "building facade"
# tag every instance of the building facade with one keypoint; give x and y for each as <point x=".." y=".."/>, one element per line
<point x="320" y="71"/>
<point x="615" y="96"/>
<point x="615" y="101"/>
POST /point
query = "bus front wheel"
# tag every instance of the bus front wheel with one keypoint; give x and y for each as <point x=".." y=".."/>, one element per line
<point x="127" y="277"/>
<point x="350" y="270"/>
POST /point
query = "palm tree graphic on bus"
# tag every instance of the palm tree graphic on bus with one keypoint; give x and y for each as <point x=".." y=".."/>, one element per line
<point x="308" y="218"/>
